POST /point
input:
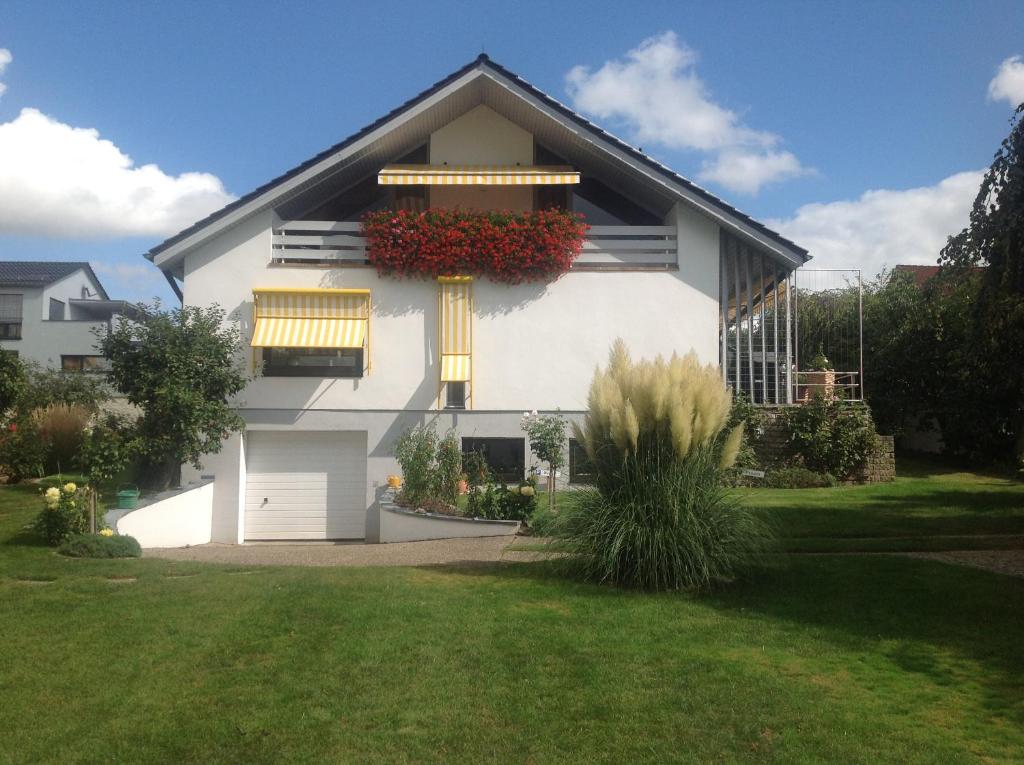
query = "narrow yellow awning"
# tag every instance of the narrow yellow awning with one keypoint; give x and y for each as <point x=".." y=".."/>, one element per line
<point x="455" y="315"/>
<point x="477" y="175"/>
<point x="454" y="368"/>
<point x="311" y="318"/>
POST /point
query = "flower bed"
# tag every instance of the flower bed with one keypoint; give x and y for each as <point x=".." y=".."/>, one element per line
<point x="503" y="246"/>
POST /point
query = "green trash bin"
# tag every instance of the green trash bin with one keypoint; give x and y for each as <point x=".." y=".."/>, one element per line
<point x="128" y="498"/>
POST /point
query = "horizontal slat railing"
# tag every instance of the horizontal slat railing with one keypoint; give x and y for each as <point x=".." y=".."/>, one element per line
<point x="628" y="246"/>
<point x="319" y="242"/>
<point x="327" y="242"/>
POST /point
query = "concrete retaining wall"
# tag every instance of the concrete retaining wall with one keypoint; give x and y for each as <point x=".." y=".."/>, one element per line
<point x="174" y="519"/>
<point x="398" y="524"/>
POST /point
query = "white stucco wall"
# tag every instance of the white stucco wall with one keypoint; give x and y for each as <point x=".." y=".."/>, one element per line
<point x="535" y="345"/>
<point x="44" y="341"/>
<point x="180" y="520"/>
<point x="482" y="137"/>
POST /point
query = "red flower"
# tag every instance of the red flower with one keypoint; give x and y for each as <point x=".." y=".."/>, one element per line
<point x="504" y="246"/>
<point x="13" y="427"/>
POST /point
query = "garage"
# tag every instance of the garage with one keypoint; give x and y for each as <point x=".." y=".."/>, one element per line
<point x="305" y="485"/>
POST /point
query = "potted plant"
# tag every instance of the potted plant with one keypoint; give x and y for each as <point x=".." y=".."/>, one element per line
<point x="821" y="379"/>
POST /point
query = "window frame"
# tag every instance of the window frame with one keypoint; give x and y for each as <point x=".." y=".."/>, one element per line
<point x="81" y="357"/>
<point x="451" y="399"/>
<point x="578" y="454"/>
<point x="11" y="322"/>
<point x="356" y="372"/>
<point x="516" y="472"/>
<point x="63" y="309"/>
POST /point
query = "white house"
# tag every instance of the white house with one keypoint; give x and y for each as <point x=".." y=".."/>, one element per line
<point x="49" y="311"/>
<point x="351" y="358"/>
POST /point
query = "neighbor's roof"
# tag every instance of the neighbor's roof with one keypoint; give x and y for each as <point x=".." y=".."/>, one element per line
<point x="482" y="62"/>
<point x="40" y="273"/>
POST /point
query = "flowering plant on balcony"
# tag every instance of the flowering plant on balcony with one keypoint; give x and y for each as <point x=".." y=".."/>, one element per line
<point x="503" y="246"/>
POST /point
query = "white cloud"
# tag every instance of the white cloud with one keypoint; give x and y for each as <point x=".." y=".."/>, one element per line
<point x="1008" y="84"/>
<point x="5" y="59"/>
<point x="62" y="181"/>
<point x="747" y="172"/>
<point x="883" y="228"/>
<point x="656" y="92"/>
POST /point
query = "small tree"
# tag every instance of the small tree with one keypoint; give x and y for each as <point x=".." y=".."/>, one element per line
<point x="547" y="442"/>
<point x="181" y="368"/>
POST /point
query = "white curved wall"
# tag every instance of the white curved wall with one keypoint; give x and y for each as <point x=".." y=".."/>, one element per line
<point x="178" y="521"/>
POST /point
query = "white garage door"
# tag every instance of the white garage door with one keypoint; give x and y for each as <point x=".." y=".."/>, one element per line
<point x="305" y="485"/>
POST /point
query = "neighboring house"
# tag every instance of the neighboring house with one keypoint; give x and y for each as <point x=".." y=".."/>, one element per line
<point x="350" y="359"/>
<point x="49" y="311"/>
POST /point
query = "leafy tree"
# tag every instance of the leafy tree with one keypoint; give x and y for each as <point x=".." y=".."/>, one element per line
<point x="13" y="382"/>
<point x="181" y="368"/>
<point x="994" y="240"/>
<point x="547" y="442"/>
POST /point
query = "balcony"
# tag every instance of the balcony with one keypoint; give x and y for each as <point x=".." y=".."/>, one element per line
<point x="327" y="243"/>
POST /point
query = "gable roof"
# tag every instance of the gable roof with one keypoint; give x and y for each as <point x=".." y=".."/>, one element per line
<point x="40" y="273"/>
<point x="738" y="222"/>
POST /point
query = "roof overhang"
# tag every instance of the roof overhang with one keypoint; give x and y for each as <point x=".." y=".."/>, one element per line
<point x="583" y="144"/>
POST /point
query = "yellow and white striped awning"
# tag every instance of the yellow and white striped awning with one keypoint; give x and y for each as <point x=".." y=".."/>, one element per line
<point x="455" y="305"/>
<point x="311" y="318"/>
<point x="455" y="368"/>
<point x="477" y="175"/>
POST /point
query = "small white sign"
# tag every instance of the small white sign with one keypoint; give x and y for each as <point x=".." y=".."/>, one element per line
<point x="752" y="473"/>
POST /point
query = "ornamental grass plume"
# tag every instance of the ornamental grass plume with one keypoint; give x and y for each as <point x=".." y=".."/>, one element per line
<point x="658" y="516"/>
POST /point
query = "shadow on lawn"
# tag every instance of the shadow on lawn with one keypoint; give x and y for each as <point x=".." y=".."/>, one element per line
<point x="915" y="613"/>
<point x="927" y="618"/>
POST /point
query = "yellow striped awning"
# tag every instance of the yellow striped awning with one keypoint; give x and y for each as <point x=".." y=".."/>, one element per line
<point x="454" y="368"/>
<point x="311" y="318"/>
<point x="477" y="175"/>
<point x="455" y="304"/>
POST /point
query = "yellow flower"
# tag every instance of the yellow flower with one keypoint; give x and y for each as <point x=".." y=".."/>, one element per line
<point x="70" y="488"/>
<point x="513" y="489"/>
<point x="52" y="496"/>
<point x="527" y="491"/>
<point x="106" y="532"/>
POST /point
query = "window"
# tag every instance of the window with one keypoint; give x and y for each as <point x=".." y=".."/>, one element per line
<point x="455" y="395"/>
<point x="10" y="317"/>
<point x="56" y="310"/>
<point x="313" y="362"/>
<point x="83" y="364"/>
<point x="506" y="457"/>
<point x="580" y="469"/>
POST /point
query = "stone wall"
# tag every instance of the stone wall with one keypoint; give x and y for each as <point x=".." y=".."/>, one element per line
<point x="772" y="447"/>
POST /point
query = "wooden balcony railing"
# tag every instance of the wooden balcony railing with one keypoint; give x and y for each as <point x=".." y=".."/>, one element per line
<point x="340" y="243"/>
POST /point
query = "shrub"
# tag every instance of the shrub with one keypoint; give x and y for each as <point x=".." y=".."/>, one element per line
<point x="796" y="477"/>
<point x="415" y="450"/>
<point x="447" y="470"/>
<point x="659" y="518"/>
<point x="493" y="501"/>
<point x="49" y="386"/>
<point x="100" y="546"/>
<point x="65" y="513"/>
<point x="22" y="451"/>
<point x="61" y="427"/>
<point x="831" y="435"/>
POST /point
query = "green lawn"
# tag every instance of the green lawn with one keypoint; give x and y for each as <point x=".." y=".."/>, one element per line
<point x="925" y="508"/>
<point x="822" y="659"/>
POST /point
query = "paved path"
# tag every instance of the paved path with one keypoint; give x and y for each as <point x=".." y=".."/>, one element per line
<point x="432" y="553"/>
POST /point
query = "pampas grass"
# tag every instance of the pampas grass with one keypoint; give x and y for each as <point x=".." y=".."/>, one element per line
<point x="658" y="516"/>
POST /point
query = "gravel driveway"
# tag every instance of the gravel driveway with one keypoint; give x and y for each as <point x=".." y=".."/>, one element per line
<point x="434" y="552"/>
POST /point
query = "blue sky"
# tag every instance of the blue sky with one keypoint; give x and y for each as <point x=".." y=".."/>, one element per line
<point x="866" y="123"/>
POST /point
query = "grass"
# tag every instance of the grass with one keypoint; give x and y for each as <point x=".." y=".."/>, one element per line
<point x="823" y="659"/>
<point x="927" y="508"/>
